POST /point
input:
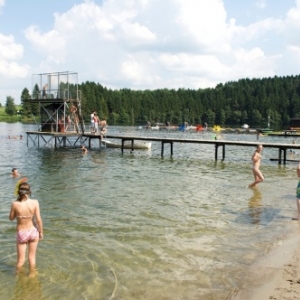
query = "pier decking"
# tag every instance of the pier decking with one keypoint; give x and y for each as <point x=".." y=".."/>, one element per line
<point x="64" y="139"/>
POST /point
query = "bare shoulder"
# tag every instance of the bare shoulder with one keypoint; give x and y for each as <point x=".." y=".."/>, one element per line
<point x="33" y="202"/>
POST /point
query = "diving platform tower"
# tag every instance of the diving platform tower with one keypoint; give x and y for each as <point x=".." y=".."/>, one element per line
<point x="56" y="100"/>
<point x="59" y="102"/>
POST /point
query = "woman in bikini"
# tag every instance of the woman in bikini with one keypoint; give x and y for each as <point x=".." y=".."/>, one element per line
<point x="29" y="225"/>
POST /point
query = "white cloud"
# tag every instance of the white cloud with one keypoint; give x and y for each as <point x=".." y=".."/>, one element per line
<point x="261" y="3"/>
<point x="153" y="44"/>
<point x="10" y="53"/>
<point x="205" y="23"/>
<point x="137" y="34"/>
<point x="51" y="44"/>
<point x="12" y="69"/>
<point x="9" y="49"/>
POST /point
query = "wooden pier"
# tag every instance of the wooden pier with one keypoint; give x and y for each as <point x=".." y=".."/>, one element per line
<point x="282" y="148"/>
<point x="64" y="139"/>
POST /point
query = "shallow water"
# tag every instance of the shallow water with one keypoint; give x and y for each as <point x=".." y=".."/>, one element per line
<point x="138" y="226"/>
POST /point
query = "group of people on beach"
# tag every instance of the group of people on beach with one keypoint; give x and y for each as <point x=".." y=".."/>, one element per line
<point x="29" y="223"/>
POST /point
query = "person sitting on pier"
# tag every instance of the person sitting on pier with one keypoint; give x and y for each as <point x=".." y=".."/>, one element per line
<point x="256" y="159"/>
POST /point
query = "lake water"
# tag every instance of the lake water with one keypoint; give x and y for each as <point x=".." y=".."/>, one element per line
<point x="138" y="226"/>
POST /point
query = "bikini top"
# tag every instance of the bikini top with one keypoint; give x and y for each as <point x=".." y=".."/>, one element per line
<point x="24" y="217"/>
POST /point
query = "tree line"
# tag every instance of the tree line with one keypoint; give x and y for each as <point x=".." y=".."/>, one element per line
<point x="251" y="101"/>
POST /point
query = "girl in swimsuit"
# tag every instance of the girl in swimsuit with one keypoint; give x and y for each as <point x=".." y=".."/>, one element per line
<point x="29" y="225"/>
<point x="298" y="194"/>
<point x="256" y="159"/>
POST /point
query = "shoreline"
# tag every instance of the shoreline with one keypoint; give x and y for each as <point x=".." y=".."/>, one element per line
<point x="276" y="275"/>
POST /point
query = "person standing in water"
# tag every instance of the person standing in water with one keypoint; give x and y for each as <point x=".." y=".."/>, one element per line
<point x="29" y="225"/>
<point x="256" y="159"/>
<point x="298" y="194"/>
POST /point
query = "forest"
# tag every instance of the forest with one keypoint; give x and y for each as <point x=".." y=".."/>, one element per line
<point x="250" y="101"/>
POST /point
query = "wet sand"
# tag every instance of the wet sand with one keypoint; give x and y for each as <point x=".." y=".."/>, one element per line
<point x="277" y="274"/>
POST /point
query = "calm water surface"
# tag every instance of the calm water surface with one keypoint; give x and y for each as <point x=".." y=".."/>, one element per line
<point x="138" y="226"/>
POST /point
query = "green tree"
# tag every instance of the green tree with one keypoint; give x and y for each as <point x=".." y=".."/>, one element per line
<point x="26" y="107"/>
<point x="211" y="116"/>
<point x="10" y="107"/>
<point x="35" y="106"/>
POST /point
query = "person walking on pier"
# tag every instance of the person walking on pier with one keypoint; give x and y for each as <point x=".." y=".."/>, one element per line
<point x="256" y="159"/>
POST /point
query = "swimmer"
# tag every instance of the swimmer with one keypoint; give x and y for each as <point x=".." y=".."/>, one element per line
<point x="256" y="159"/>
<point x="84" y="150"/>
<point x="15" y="173"/>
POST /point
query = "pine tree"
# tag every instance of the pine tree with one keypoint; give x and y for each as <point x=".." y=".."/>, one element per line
<point x="10" y="108"/>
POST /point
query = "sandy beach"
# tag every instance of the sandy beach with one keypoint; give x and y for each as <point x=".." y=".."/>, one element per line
<point x="277" y="274"/>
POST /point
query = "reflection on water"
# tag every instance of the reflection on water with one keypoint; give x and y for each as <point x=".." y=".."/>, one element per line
<point x="255" y="206"/>
<point x="136" y="226"/>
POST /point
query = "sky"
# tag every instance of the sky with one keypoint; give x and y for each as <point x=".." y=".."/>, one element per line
<point x="147" y="44"/>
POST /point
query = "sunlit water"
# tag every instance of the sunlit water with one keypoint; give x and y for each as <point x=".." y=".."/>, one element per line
<point x="138" y="226"/>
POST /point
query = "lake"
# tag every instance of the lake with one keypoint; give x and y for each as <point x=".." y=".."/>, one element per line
<point x="138" y="226"/>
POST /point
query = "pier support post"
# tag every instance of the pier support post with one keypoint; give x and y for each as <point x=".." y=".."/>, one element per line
<point x="216" y="151"/>
<point x="280" y="151"/>
<point x="163" y="145"/>
<point x="223" y="152"/>
<point x="279" y="156"/>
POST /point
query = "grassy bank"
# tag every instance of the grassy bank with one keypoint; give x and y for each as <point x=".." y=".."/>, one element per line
<point x="4" y="117"/>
